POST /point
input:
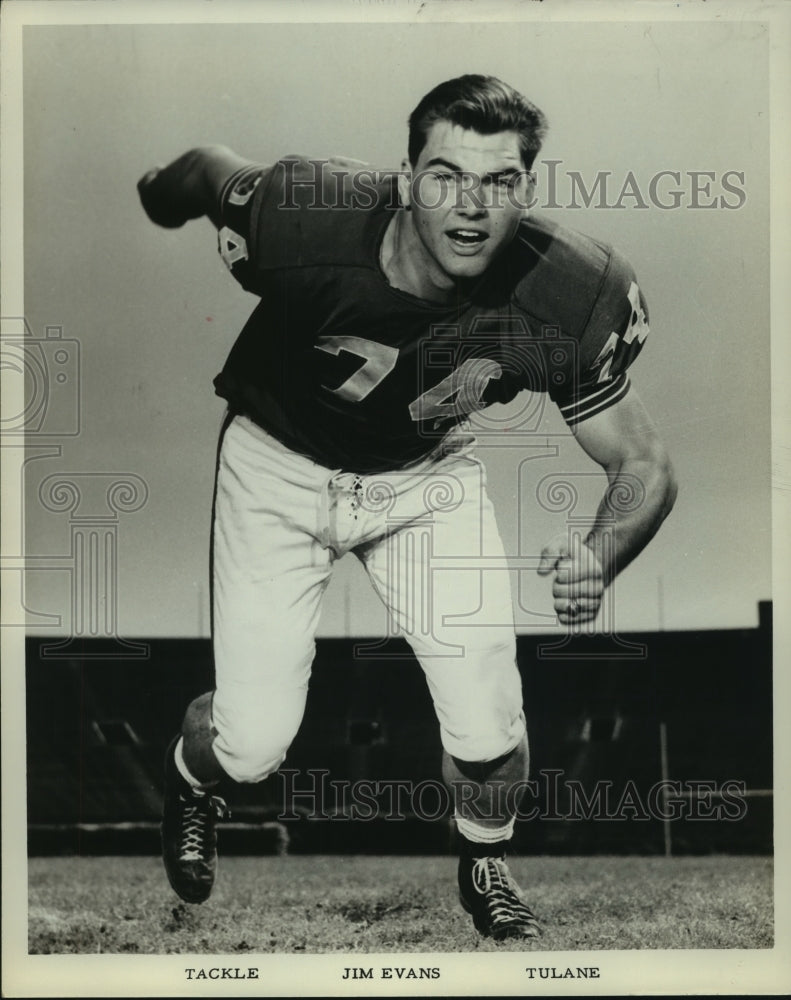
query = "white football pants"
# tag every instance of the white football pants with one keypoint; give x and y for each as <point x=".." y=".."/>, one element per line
<point x="428" y="539"/>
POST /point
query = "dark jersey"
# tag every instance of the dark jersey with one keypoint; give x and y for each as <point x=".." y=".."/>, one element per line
<point x="356" y="374"/>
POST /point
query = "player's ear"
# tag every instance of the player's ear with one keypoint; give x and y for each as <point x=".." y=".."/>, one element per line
<point x="528" y="200"/>
<point x="405" y="184"/>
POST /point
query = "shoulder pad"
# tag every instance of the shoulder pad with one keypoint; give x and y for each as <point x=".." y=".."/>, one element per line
<point x="563" y="273"/>
<point x="316" y="211"/>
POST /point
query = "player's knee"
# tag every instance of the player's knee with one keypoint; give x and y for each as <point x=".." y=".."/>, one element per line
<point x="249" y="759"/>
<point x="249" y="766"/>
<point x="478" y="748"/>
<point x="252" y="745"/>
<point x="485" y="739"/>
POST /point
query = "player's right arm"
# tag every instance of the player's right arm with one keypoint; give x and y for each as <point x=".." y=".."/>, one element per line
<point x="190" y="187"/>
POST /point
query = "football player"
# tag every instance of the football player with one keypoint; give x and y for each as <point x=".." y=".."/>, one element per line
<point x="392" y="307"/>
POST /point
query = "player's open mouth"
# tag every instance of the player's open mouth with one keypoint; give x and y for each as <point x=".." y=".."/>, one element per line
<point x="468" y="240"/>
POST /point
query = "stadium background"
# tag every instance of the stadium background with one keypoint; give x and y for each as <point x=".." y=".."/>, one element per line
<point x="697" y="709"/>
<point x="149" y="315"/>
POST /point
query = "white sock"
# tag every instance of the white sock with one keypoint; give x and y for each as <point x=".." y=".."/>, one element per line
<point x="197" y="786"/>
<point x="484" y="834"/>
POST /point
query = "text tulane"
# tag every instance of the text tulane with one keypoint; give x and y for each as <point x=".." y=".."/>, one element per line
<point x="552" y="972"/>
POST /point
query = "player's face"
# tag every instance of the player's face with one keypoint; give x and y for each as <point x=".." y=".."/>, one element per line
<point x="466" y="194"/>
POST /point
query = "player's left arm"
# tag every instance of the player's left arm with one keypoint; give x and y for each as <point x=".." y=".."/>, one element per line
<point x="641" y="491"/>
<point x="189" y="187"/>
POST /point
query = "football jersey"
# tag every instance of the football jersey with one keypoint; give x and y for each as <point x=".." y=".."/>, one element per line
<point x="356" y="374"/>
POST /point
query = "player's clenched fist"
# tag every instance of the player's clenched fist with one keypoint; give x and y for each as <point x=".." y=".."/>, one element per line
<point x="579" y="579"/>
<point x="158" y="209"/>
<point x="150" y="202"/>
<point x="164" y="205"/>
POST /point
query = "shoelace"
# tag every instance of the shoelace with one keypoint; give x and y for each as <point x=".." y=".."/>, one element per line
<point x="195" y="823"/>
<point x="491" y="879"/>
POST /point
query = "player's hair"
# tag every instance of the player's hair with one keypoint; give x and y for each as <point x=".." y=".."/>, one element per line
<point x="484" y="104"/>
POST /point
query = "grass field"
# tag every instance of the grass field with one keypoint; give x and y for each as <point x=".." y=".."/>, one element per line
<point x="394" y="904"/>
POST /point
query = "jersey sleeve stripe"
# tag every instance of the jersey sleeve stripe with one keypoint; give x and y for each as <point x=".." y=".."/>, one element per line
<point x="589" y="397"/>
<point x="596" y="402"/>
<point x="228" y="186"/>
<point x="233" y="180"/>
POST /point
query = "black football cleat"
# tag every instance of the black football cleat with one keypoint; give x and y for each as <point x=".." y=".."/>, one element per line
<point x="189" y="834"/>
<point x="489" y="893"/>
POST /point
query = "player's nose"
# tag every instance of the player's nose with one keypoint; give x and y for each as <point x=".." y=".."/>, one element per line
<point x="470" y="204"/>
<point x="469" y="201"/>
